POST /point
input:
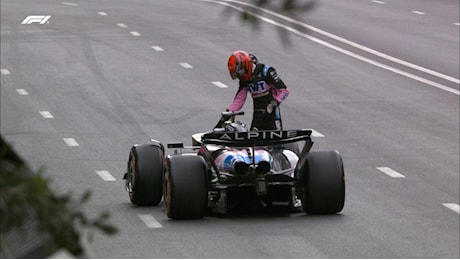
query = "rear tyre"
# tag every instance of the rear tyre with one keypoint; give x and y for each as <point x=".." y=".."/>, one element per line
<point x="185" y="187"/>
<point x="324" y="183"/>
<point x="145" y="174"/>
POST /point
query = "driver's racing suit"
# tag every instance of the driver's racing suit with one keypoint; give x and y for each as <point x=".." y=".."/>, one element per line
<point x="265" y="87"/>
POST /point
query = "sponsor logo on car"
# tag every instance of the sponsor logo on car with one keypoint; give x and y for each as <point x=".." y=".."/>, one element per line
<point x="260" y="135"/>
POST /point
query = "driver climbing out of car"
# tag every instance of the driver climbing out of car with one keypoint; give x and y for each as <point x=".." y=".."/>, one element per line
<point x="266" y="87"/>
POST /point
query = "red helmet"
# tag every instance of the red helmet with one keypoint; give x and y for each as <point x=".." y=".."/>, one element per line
<point x="240" y="65"/>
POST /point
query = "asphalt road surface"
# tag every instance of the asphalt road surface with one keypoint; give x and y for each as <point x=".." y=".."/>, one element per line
<point x="376" y="80"/>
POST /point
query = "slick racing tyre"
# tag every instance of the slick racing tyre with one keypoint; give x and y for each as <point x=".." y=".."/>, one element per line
<point x="185" y="187"/>
<point x="324" y="183"/>
<point x="145" y="174"/>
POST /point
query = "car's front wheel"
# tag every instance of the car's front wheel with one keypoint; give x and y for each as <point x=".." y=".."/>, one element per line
<point x="145" y="174"/>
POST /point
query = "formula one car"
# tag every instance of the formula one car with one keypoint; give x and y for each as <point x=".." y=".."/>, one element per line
<point x="231" y="165"/>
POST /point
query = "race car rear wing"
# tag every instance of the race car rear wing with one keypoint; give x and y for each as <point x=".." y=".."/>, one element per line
<point x="256" y="138"/>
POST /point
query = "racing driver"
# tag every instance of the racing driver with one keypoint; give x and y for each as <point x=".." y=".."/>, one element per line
<point x="263" y="83"/>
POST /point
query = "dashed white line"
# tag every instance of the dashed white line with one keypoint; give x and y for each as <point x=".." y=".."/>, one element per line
<point x="185" y="65"/>
<point x="458" y="24"/>
<point x="315" y="133"/>
<point x="122" y="25"/>
<point x="390" y="172"/>
<point x="70" y="142"/>
<point x="102" y="13"/>
<point x="418" y="12"/>
<point x="5" y="72"/>
<point x="157" y="48"/>
<point x="219" y="84"/>
<point x="22" y="92"/>
<point x="135" y="33"/>
<point x="105" y="175"/>
<point x="150" y="221"/>
<point x="378" y="2"/>
<point x="46" y="114"/>
<point x="66" y="3"/>
<point x="452" y="206"/>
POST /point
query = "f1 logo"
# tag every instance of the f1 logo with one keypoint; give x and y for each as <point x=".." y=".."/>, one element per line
<point x="41" y="19"/>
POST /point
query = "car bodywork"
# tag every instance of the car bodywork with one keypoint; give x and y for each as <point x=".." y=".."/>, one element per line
<point x="229" y="166"/>
<point x="253" y="165"/>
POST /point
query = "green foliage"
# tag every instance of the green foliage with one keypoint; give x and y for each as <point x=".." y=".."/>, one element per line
<point x="25" y="195"/>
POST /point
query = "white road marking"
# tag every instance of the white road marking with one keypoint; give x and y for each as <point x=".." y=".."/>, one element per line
<point x="22" y="92"/>
<point x="5" y="72"/>
<point x="452" y="206"/>
<point x="186" y="65"/>
<point x="102" y="13"/>
<point x="105" y="175"/>
<point x="390" y="172"/>
<point x="458" y="24"/>
<point x="70" y="142"/>
<point x="157" y="48"/>
<point x="219" y="84"/>
<point x="315" y="133"/>
<point x="122" y="25"/>
<point x="378" y="2"/>
<point x="135" y="33"/>
<point x="72" y="4"/>
<point x="150" y="221"/>
<point x="353" y="44"/>
<point x="418" y="12"/>
<point x="46" y="114"/>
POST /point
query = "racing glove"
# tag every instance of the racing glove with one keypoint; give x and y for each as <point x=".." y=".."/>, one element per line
<point x="271" y="106"/>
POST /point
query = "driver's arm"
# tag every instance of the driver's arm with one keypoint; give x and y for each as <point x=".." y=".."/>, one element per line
<point x="239" y="100"/>
<point x="281" y="91"/>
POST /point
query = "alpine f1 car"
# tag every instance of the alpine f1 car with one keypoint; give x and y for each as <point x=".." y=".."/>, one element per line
<point x="230" y="165"/>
